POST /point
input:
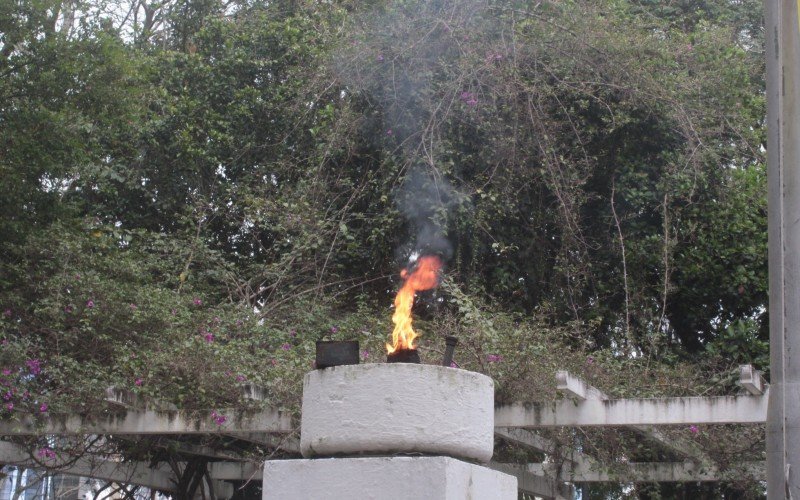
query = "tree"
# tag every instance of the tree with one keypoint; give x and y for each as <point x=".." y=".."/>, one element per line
<point x="191" y="188"/>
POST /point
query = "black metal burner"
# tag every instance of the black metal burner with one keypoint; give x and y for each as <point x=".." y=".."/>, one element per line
<point x="450" y="346"/>
<point x="336" y="353"/>
<point x="403" y="356"/>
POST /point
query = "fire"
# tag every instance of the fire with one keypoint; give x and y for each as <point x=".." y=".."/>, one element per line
<point x="424" y="276"/>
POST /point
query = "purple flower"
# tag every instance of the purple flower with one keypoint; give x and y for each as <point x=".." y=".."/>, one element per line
<point x="453" y="364"/>
<point x="334" y="329"/>
<point x="286" y="347"/>
<point x="90" y="303"/>
<point x="494" y="358"/>
<point x="293" y="332"/>
<point x="46" y="453"/>
<point x="471" y="102"/>
<point x="34" y="366"/>
<point x="43" y="408"/>
<point x="273" y="362"/>
<point x="10" y="406"/>
<point x="68" y="309"/>
<point x="240" y="378"/>
<point x="6" y="371"/>
<point x="7" y="313"/>
<point x="196" y="301"/>
<point x="389" y="132"/>
<point x="693" y="429"/>
<point x="209" y="337"/>
<point x="379" y="58"/>
<point x="133" y="307"/>
<point x="219" y="418"/>
<point x="138" y="382"/>
<point x="7" y="396"/>
<point x="174" y="312"/>
<point x="365" y="354"/>
<point x="589" y="360"/>
<point x="77" y="276"/>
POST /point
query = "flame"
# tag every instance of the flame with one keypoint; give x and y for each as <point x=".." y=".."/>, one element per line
<point x="424" y="276"/>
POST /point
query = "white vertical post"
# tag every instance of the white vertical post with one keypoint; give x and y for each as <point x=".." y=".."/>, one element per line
<point x="782" y="37"/>
<point x="790" y="166"/>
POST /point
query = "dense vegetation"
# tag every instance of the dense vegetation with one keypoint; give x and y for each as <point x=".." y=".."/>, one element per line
<point x="194" y="191"/>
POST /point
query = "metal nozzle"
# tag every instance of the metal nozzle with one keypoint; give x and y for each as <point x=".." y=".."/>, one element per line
<point x="450" y="347"/>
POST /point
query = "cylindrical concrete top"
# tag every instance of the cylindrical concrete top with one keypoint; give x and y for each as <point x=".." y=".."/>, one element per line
<point x="383" y="409"/>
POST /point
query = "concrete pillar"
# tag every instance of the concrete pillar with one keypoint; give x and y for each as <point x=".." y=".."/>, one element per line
<point x="790" y="164"/>
<point x="390" y="410"/>
<point x="382" y="409"/>
<point x="782" y="36"/>
<point x="385" y="478"/>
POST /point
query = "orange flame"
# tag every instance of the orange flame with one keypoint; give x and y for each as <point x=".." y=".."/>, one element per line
<point x="424" y="277"/>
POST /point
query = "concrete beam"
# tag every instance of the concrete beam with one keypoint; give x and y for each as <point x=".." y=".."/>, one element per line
<point x="633" y="412"/>
<point x="752" y="380"/>
<point x="529" y="439"/>
<point x="533" y="484"/>
<point x="149" y="422"/>
<point x="645" y="472"/>
<point x="579" y="389"/>
<point x="285" y="443"/>
<point x="122" y="399"/>
<point x="125" y="399"/>
<point x="119" y="472"/>
<point x="254" y="392"/>
<point x="576" y="387"/>
<point x="540" y="479"/>
<point x="159" y="477"/>
<point x="197" y="450"/>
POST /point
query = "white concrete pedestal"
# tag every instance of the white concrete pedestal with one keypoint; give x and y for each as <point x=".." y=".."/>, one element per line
<point x="384" y="409"/>
<point x="385" y="478"/>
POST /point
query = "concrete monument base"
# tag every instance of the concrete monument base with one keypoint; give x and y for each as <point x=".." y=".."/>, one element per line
<point x="385" y="478"/>
<point x="384" y="409"/>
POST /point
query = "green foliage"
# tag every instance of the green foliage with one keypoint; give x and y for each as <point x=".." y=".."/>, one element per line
<point x="193" y="198"/>
<point x="740" y="343"/>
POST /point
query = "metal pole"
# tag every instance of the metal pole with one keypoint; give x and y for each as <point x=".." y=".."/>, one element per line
<point x="782" y="37"/>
